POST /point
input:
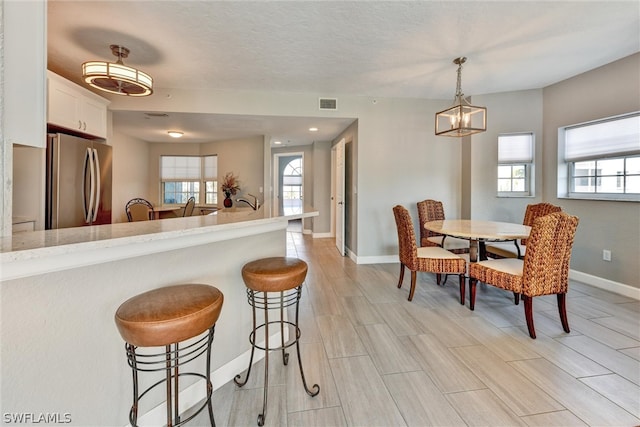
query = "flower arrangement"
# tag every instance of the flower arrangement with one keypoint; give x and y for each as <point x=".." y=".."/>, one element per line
<point x="230" y="184"/>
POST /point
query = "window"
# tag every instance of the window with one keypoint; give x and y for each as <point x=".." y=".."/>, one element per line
<point x="515" y="164"/>
<point x="211" y="180"/>
<point x="182" y="177"/>
<point x="602" y="158"/>
<point x="292" y="187"/>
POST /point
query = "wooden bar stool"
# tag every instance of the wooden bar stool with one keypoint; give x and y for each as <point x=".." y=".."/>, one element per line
<point x="274" y="283"/>
<point x="166" y="317"/>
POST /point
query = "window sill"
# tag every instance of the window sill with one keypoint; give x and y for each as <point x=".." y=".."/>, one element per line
<point x="601" y="198"/>
<point x="515" y="195"/>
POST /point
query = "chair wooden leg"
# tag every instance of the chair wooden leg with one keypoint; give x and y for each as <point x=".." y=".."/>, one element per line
<point x="516" y="298"/>
<point x="438" y="278"/>
<point x="562" y="309"/>
<point x="462" y="280"/>
<point x="414" y="275"/>
<point x="472" y="292"/>
<point x="401" y="275"/>
<point x="528" y="314"/>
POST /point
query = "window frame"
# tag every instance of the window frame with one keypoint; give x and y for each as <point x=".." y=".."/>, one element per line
<point x="528" y="164"/>
<point x="567" y="167"/>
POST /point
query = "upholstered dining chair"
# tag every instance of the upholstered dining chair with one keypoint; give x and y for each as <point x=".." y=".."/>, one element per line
<point x="432" y="210"/>
<point x="512" y="249"/>
<point x="139" y="209"/>
<point x="544" y="270"/>
<point x="188" y="207"/>
<point x="432" y="259"/>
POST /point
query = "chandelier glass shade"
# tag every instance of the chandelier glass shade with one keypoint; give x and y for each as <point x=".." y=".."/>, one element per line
<point x="462" y="118"/>
<point x="115" y="77"/>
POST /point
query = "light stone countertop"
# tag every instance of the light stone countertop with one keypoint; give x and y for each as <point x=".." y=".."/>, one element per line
<point x="38" y="252"/>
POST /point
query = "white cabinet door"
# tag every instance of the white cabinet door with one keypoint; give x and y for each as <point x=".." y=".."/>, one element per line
<point x="73" y="107"/>
<point x="63" y="106"/>
<point x="94" y="117"/>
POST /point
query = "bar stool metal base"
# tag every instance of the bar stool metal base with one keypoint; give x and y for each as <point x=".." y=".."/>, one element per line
<point x="170" y="361"/>
<point x="279" y="301"/>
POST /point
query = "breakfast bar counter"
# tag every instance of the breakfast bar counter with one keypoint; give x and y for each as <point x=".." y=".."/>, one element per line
<point x="61" y="352"/>
<point x="31" y="253"/>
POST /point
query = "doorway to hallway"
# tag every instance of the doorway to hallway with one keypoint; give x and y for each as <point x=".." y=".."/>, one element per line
<point x="289" y="185"/>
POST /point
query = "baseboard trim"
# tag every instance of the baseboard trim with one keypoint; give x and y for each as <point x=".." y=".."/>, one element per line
<point x="380" y="259"/>
<point x="606" y="284"/>
<point x="321" y="235"/>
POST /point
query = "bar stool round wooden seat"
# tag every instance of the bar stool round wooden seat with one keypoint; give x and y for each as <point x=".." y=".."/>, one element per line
<point x="275" y="283"/>
<point x="166" y="317"/>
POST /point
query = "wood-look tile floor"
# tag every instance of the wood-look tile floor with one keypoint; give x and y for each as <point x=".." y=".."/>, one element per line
<point x="383" y="361"/>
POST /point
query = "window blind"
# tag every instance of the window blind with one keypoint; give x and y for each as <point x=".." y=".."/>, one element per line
<point x="180" y="168"/>
<point x="210" y="168"/>
<point x="515" y="148"/>
<point x="607" y="138"/>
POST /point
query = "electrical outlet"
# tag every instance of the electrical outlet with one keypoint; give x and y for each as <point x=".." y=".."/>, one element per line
<point x="606" y="254"/>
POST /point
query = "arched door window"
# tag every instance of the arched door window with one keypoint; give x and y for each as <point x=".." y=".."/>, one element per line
<point x="292" y="187"/>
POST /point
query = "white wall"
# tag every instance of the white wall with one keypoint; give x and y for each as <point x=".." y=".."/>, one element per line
<point x="606" y="91"/>
<point x="243" y="157"/>
<point x="28" y="184"/>
<point x="507" y="113"/>
<point x="130" y="172"/>
<point x="322" y="187"/>
<point x="401" y="161"/>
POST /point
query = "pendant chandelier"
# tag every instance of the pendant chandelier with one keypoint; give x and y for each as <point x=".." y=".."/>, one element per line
<point x="462" y="118"/>
<point x="115" y="77"/>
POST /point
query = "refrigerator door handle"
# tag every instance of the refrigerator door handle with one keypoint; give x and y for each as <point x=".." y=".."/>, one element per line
<point x="92" y="169"/>
<point x="88" y="205"/>
<point x="97" y="180"/>
<point x="85" y="205"/>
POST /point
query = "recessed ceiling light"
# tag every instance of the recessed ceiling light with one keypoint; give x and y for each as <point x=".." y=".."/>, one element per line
<point x="175" y="134"/>
<point x="277" y="142"/>
<point x="313" y="129"/>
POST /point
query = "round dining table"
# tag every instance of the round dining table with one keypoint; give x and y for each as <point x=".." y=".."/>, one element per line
<point x="478" y="232"/>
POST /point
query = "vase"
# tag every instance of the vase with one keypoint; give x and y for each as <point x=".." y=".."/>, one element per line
<point x="227" y="200"/>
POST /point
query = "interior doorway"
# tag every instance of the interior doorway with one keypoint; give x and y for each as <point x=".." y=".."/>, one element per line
<point x="289" y="185"/>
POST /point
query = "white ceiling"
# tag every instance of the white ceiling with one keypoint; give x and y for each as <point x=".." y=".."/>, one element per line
<point x="371" y="48"/>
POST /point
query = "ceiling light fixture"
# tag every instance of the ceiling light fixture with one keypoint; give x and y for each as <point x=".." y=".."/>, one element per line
<point x="175" y="134"/>
<point x="462" y="118"/>
<point x="115" y="77"/>
<point x="313" y="129"/>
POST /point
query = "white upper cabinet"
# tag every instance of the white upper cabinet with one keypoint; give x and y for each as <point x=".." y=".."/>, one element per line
<point x="75" y="108"/>
<point x="24" y="30"/>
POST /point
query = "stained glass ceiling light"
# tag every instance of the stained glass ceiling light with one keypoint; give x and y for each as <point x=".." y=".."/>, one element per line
<point x="115" y="77"/>
<point x="462" y="118"/>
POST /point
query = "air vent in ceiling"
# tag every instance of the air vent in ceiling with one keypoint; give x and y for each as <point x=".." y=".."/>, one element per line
<point x="328" y="104"/>
<point x="156" y="114"/>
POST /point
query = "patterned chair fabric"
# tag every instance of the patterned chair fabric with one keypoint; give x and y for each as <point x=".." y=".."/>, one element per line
<point x="432" y="210"/>
<point x="139" y="209"/>
<point x="433" y="259"/>
<point x="544" y="270"/>
<point x="512" y="249"/>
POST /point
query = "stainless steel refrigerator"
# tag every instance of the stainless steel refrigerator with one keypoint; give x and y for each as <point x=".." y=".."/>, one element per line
<point x="78" y="184"/>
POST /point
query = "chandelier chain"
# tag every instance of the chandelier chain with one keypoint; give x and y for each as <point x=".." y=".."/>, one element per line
<point x="459" y="93"/>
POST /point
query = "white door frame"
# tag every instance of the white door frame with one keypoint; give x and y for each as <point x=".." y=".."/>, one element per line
<point x="276" y="177"/>
<point x="338" y="195"/>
